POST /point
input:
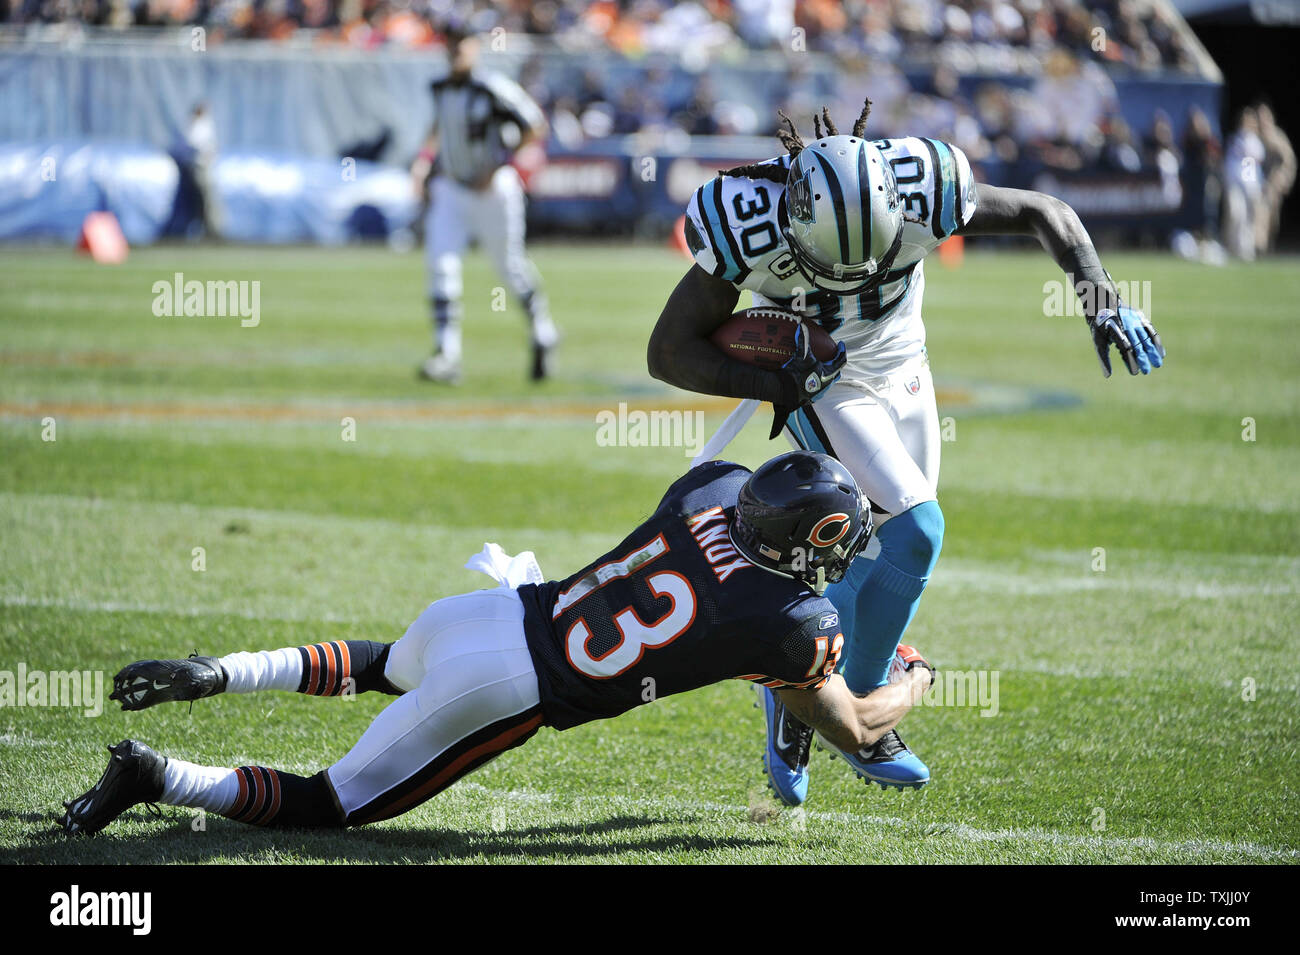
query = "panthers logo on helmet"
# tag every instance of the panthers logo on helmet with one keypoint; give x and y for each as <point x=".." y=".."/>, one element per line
<point x="799" y="199"/>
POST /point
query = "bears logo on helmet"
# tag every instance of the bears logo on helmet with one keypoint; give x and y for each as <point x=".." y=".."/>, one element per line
<point x="801" y="515"/>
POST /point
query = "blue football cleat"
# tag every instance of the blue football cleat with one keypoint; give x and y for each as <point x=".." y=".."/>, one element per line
<point x="889" y="763"/>
<point x="785" y="758"/>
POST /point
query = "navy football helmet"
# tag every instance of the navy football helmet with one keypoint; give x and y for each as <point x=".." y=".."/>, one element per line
<point x="801" y="515"/>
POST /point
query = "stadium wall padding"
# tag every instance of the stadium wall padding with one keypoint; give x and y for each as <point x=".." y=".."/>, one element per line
<point x="46" y="192"/>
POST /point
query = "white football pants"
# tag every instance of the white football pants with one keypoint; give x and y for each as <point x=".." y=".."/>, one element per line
<point x="471" y="694"/>
<point x="493" y="217"/>
<point x="885" y="430"/>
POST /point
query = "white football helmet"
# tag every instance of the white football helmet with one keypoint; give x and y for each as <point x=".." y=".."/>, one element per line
<point x="846" y="224"/>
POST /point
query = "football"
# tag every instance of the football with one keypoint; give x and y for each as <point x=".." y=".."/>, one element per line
<point x="764" y="336"/>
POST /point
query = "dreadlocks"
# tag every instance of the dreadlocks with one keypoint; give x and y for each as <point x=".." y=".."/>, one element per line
<point x="790" y="138"/>
<point x="794" y="144"/>
<point x="860" y="127"/>
<point x="830" y="126"/>
<point x="772" y="172"/>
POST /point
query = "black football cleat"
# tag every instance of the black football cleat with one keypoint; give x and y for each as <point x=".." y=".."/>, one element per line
<point x="145" y="683"/>
<point x="134" y="775"/>
<point x="543" y="356"/>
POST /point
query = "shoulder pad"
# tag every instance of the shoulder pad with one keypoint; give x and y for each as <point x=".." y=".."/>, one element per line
<point x="731" y="222"/>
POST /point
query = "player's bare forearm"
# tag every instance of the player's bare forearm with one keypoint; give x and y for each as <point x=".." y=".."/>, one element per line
<point x="681" y="354"/>
<point x="1057" y="228"/>
<point x="423" y="163"/>
<point x="851" y="722"/>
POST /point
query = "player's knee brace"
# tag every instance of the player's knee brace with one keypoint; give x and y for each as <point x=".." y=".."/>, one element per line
<point x="911" y="541"/>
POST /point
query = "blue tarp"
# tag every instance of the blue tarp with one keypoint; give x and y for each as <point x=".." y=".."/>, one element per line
<point x="46" y="191"/>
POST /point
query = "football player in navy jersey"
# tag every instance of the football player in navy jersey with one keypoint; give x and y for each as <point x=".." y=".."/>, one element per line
<point x="836" y="231"/>
<point x="723" y="581"/>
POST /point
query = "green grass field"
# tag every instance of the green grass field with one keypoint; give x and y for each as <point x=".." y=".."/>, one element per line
<point x="1124" y="732"/>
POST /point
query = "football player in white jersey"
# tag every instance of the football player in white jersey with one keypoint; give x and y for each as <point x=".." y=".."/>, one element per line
<point x="480" y="120"/>
<point x="836" y="231"/>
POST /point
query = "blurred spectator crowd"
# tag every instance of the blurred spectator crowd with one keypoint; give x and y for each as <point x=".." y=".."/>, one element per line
<point x="1012" y="82"/>
<point x="992" y="35"/>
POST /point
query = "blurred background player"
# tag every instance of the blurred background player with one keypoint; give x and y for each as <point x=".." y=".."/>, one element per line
<point x="1279" y="177"/>
<point x="1244" y="197"/>
<point x="480" y="120"/>
<point x="194" y="150"/>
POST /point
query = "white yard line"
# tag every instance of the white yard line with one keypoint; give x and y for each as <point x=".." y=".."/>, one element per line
<point x="987" y="579"/>
<point x="175" y="610"/>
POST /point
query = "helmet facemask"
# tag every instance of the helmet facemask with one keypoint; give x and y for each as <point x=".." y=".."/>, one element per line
<point x="835" y="278"/>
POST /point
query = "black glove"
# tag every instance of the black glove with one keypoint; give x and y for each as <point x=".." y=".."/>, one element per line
<point x="805" y="378"/>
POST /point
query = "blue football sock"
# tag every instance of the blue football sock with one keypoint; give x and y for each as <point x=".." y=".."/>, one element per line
<point x="887" y="598"/>
<point x="844" y="596"/>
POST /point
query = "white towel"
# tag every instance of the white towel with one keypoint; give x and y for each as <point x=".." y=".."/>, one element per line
<point x="512" y="572"/>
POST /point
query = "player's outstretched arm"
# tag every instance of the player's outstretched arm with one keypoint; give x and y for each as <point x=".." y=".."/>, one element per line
<point x="850" y="722"/>
<point x="1058" y="229"/>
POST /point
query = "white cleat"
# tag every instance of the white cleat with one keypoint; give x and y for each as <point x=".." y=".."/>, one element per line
<point x="440" y="368"/>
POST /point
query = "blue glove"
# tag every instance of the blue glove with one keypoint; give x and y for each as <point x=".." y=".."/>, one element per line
<point x="809" y="375"/>
<point x="1129" y="331"/>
